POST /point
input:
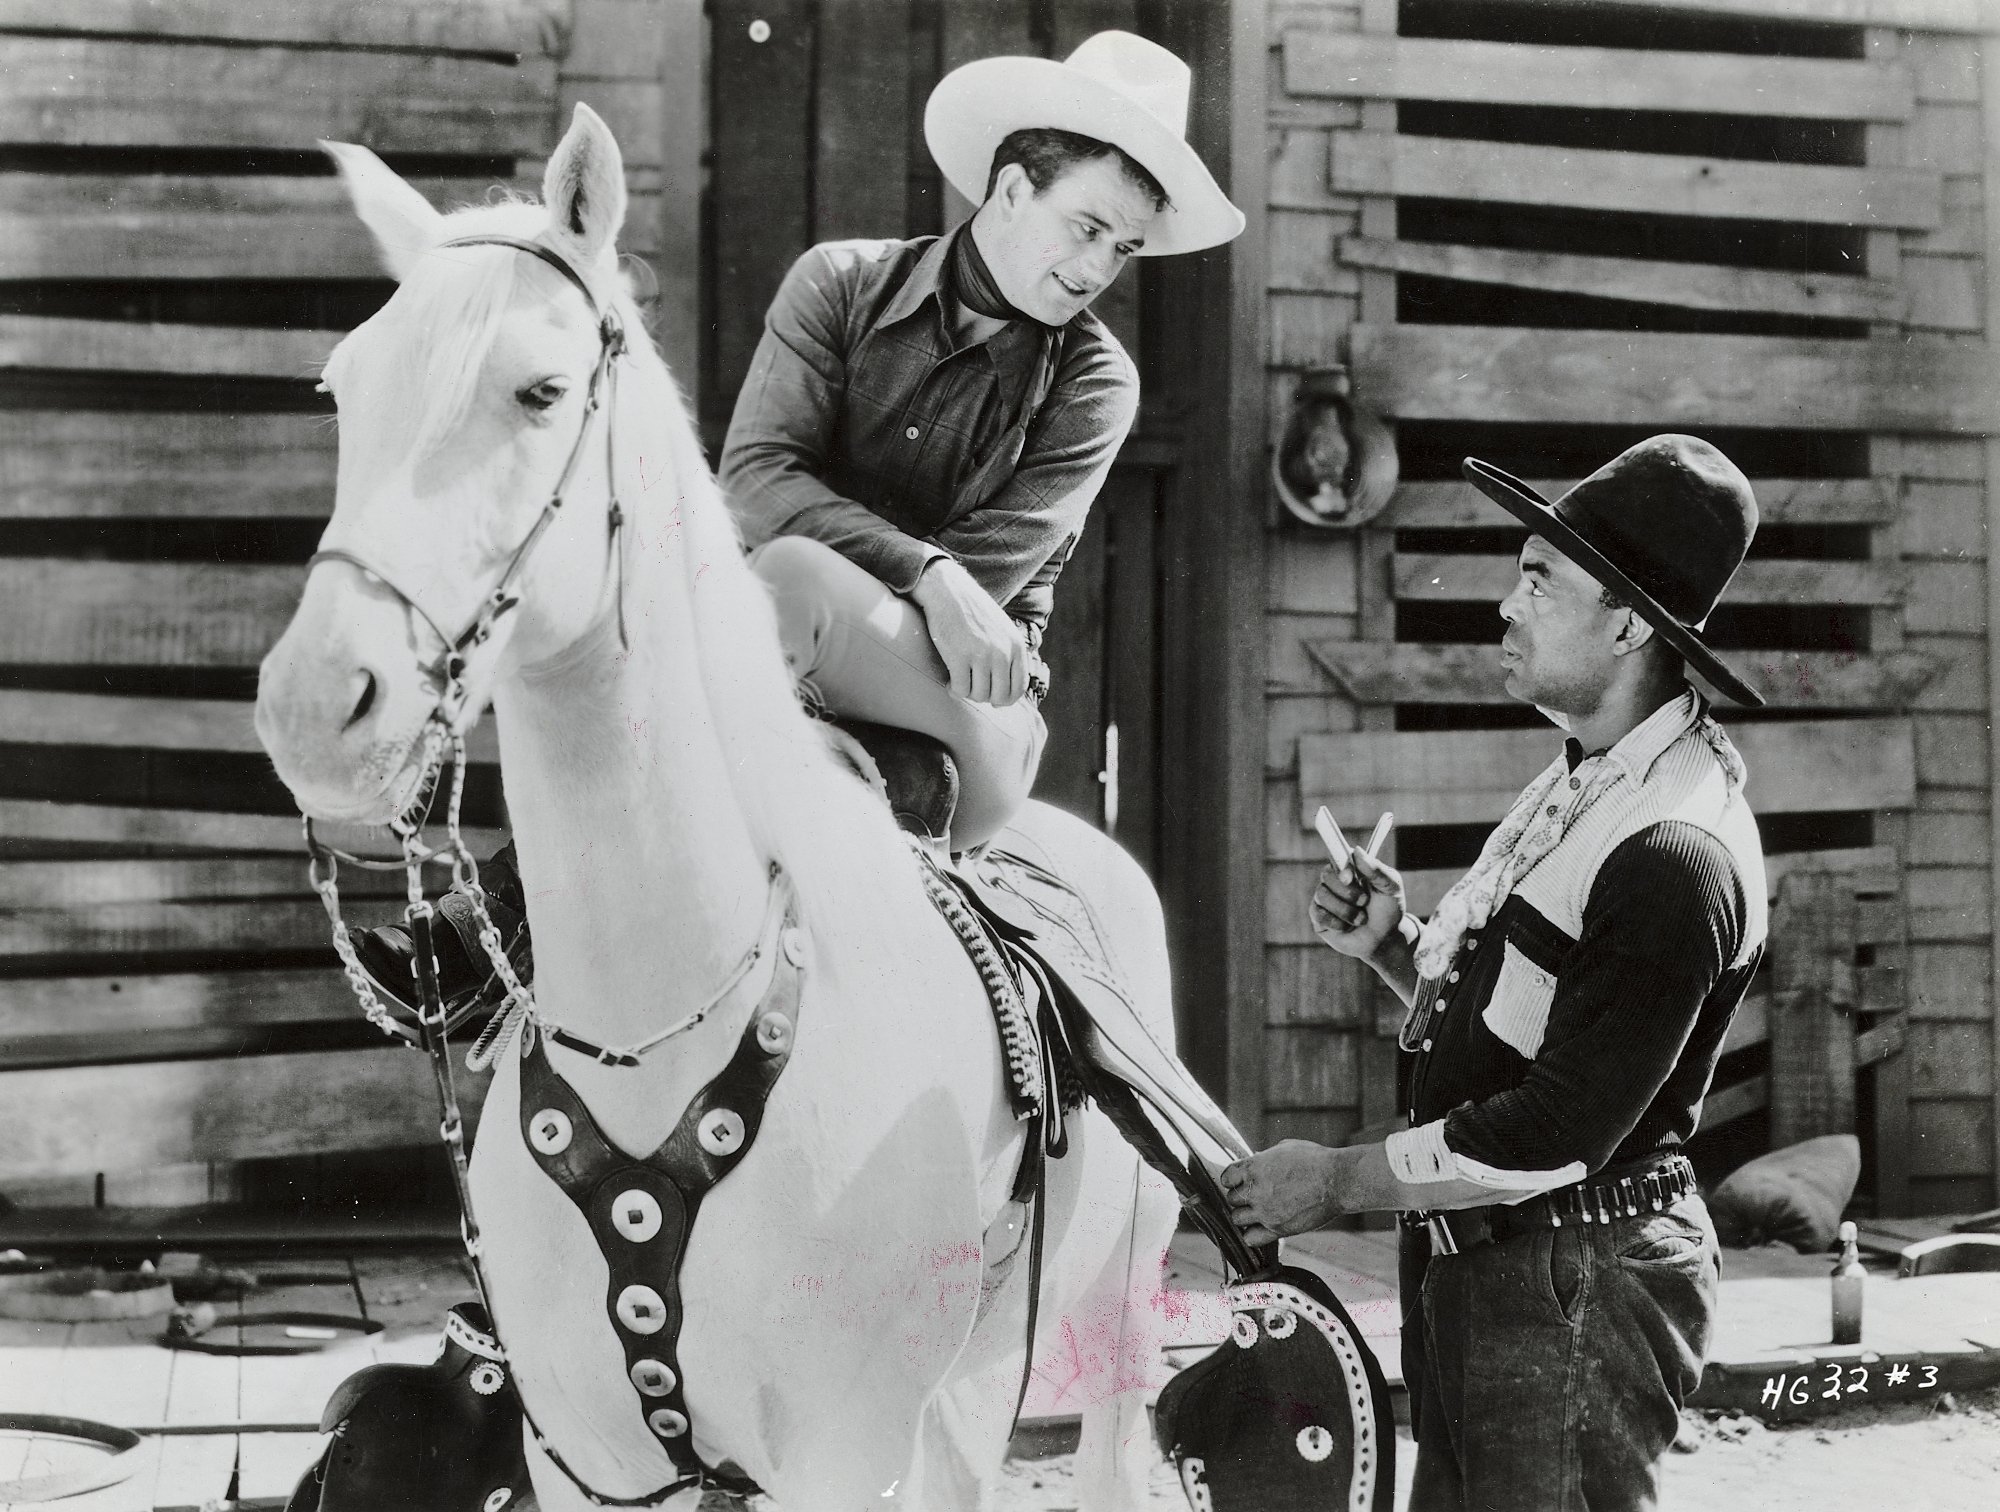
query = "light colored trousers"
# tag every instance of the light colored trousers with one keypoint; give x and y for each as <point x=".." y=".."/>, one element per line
<point x="867" y="654"/>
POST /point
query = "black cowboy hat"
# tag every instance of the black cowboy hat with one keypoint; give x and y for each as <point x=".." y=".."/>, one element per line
<point x="1664" y="525"/>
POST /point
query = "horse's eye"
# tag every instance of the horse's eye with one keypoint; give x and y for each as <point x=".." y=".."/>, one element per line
<point x="542" y="396"/>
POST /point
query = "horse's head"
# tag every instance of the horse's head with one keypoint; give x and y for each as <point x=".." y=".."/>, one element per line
<point x="464" y="404"/>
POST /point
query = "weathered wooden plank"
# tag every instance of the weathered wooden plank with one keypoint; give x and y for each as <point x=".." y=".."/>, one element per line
<point x="1472" y="777"/>
<point x="200" y="830"/>
<point x="1647" y="182"/>
<point x="1910" y="15"/>
<point x="212" y="928"/>
<point x="1780" y="501"/>
<point x="1488" y="579"/>
<point x="1378" y="672"/>
<point x="132" y="1117"/>
<point x="1359" y="66"/>
<point x="187" y="614"/>
<point x="1811" y="998"/>
<point x="1310" y="1068"/>
<point x="84" y="884"/>
<point x="83" y="226"/>
<point x="62" y="343"/>
<point x="615" y="39"/>
<point x="181" y="724"/>
<point x="1951" y="1137"/>
<point x="100" y="464"/>
<point x="87" y="92"/>
<point x="1495" y="373"/>
<point x="1727" y="1104"/>
<point x="502" y="27"/>
<point x="1695" y="286"/>
<point x="861" y="152"/>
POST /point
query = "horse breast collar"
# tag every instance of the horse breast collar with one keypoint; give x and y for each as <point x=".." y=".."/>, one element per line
<point x="641" y="1210"/>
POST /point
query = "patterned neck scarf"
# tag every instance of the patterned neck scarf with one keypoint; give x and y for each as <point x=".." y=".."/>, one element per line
<point x="1533" y="827"/>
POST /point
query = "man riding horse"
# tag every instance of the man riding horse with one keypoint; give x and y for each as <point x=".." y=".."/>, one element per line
<point x="923" y="429"/>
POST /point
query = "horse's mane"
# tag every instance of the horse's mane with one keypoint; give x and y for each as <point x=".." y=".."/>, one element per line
<point x="840" y="847"/>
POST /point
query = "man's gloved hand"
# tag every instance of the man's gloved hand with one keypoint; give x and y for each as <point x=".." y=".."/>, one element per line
<point x="982" y="648"/>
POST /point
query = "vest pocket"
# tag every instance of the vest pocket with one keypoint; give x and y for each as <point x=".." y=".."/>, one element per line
<point x="1517" y="1014"/>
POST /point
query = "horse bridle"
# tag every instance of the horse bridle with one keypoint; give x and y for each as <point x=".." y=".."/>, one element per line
<point x="444" y="733"/>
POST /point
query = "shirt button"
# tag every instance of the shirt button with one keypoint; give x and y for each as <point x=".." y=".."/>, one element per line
<point x="1575" y="783"/>
<point x="910" y="434"/>
<point x="1553" y="811"/>
<point x="1443" y="1003"/>
<point x="1452" y="978"/>
<point x="1427" y="1044"/>
<point x="1472" y="942"/>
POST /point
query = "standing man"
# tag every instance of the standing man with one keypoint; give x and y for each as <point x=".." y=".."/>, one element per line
<point x="1568" y="1001"/>
<point x="922" y="431"/>
<point x="925" y="423"/>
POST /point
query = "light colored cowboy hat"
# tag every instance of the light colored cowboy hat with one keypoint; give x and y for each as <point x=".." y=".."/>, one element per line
<point x="1117" y="88"/>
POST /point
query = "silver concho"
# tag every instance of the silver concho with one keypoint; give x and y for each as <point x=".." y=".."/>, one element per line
<point x="774" y="1033"/>
<point x="666" y="1422"/>
<point x="721" y="1131"/>
<point x="549" y="1131"/>
<point x="654" y="1378"/>
<point x="792" y="941"/>
<point x="486" y="1378"/>
<point x="499" y="1498"/>
<point x="1315" y="1443"/>
<point x="1243" y="1328"/>
<point x="635" y="1213"/>
<point x="1280" y="1322"/>
<point x="642" y="1310"/>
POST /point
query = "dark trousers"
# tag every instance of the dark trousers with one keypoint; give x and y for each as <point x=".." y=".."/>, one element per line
<point x="1547" y="1371"/>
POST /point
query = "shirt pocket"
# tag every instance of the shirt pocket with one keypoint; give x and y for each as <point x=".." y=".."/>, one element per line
<point x="1517" y="1014"/>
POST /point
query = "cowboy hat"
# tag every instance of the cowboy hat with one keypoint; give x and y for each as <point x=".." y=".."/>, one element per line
<point x="1116" y="88"/>
<point x="1664" y="525"/>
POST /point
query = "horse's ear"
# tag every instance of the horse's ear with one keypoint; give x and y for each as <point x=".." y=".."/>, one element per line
<point x="404" y="224"/>
<point x="584" y="187"/>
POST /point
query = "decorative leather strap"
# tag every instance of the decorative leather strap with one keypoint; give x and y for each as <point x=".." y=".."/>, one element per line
<point x="642" y="1209"/>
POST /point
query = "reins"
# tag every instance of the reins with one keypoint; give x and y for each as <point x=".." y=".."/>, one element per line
<point x="442" y="736"/>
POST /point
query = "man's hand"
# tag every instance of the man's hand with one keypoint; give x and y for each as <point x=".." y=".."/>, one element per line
<point x="1290" y="1188"/>
<point x="982" y="648"/>
<point x="1355" y="908"/>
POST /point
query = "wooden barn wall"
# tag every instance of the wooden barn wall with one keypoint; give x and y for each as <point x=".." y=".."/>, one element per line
<point x="175" y="261"/>
<point x="1775" y="234"/>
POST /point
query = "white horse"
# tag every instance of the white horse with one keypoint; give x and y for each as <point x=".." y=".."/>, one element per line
<point x="849" y="1342"/>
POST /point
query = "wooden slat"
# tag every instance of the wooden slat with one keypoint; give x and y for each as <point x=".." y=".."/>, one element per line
<point x="177" y="724"/>
<point x="1739" y="1101"/>
<point x="135" y="1117"/>
<point x="860" y="181"/>
<point x="1694" y="286"/>
<point x="1472" y="778"/>
<point x="760" y="195"/>
<point x="1878" y="991"/>
<point x="79" y="226"/>
<point x="48" y="1008"/>
<point x="1780" y="501"/>
<point x="1911" y="15"/>
<point x="118" y="346"/>
<point x="1356" y="66"/>
<point x="98" y="93"/>
<point x="181" y="614"/>
<point x="100" y="464"/>
<point x="1497" y="374"/>
<point x="34" y="819"/>
<point x="1379" y="672"/>
<point x="223" y="928"/>
<point x="488" y="26"/>
<point x="85" y="884"/>
<point x="1646" y="182"/>
<point x="1488" y="579"/>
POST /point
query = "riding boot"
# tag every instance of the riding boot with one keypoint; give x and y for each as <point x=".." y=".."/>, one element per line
<point x="919" y="776"/>
<point x="464" y="973"/>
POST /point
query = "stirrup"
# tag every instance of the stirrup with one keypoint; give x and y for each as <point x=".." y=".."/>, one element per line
<point x="914" y="773"/>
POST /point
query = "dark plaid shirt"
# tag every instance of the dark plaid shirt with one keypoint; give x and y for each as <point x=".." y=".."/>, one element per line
<point x="861" y="425"/>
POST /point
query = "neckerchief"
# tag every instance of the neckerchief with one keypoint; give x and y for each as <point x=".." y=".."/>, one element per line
<point x="1533" y="827"/>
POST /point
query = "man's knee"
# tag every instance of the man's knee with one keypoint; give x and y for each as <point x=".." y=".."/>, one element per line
<point x="799" y="572"/>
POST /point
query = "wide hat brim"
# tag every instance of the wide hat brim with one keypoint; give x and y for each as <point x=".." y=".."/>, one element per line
<point x="976" y="106"/>
<point x="1540" y="516"/>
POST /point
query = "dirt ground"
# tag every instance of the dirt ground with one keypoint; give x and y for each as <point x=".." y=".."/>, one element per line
<point x="1941" y="1456"/>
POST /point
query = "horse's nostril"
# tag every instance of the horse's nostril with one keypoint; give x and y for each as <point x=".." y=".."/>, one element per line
<point x="365" y="702"/>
